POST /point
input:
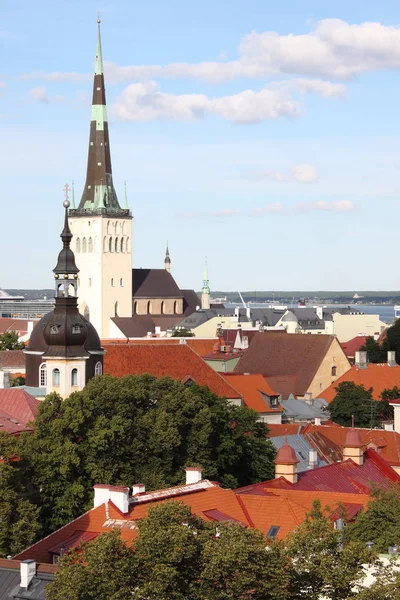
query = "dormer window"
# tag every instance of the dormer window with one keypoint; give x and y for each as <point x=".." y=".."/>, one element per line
<point x="76" y="329"/>
<point x="54" y="329"/>
<point x="273" y="402"/>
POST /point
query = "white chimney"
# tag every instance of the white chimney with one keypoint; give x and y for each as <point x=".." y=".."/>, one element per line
<point x="320" y="311"/>
<point x="396" y="409"/>
<point x="193" y="474"/>
<point x="27" y="572"/>
<point x="158" y="330"/>
<point x="389" y="426"/>
<point x="308" y="398"/>
<point x="361" y="359"/>
<point x="138" y="488"/>
<point x="391" y="358"/>
<point x="118" y="494"/>
<point x="4" y="379"/>
<point x="248" y="312"/>
<point x="317" y="421"/>
<point x="312" y="459"/>
<point x="30" y="327"/>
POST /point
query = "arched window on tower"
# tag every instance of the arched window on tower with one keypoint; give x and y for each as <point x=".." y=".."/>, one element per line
<point x="109" y="227"/>
<point x="74" y="377"/>
<point x="86" y="313"/>
<point x="176" y="307"/>
<point x="105" y="243"/>
<point x="127" y="245"/>
<point x="90" y="245"/>
<point x="56" y="377"/>
<point x="116" y="244"/>
<point x="83" y="244"/>
<point x="149" y="307"/>
<point x="110" y="245"/>
<point x="116" y="309"/>
<point x="163" y="307"/>
<point x="43" y="375"/>
<point x="78" y="244"/>
<point x="122" y="244"/>
<point x="98" y="370"/>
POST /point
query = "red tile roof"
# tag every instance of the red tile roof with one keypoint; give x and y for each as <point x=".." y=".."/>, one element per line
<point x="18" y="325"/>
<point x="377" y="376"/>
<point x="12" y="359"/>
<point x="338" y="477"/>
<point x="261" y="508"/>
<point x="201" y="346"/>
<point x="177" y="361"/>
<point x="249" y="387"/>
<point x="354" y="345"/>
<point x="17" y="408"/>
<point x="280" y="354"/>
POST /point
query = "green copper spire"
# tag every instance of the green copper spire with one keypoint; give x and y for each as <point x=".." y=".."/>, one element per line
<point x="98" y="67"/>
<point x="206" y="281"/>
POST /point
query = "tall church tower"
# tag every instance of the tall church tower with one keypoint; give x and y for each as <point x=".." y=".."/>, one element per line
<point x="101" y="228"/>
<point x="205" y="290"/>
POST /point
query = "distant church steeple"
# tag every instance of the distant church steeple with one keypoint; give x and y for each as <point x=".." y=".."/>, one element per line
<point x="99" y="195"/>
<point x="101" y="226"/>
<point x="167" y="260"/>
<point x="205" y="292"/>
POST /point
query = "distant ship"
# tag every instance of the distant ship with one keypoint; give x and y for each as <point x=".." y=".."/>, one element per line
<point x="397" y="311"/>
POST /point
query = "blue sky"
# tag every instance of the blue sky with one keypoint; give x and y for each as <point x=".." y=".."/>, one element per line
<point x="263" y="135"/>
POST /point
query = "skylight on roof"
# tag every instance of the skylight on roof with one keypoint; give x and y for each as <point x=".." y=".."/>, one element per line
<point x="273" y="530"/>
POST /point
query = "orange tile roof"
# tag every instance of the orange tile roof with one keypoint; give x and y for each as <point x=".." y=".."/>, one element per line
<point x="377" y="376"/>
<point x="12" y="359"/>
<point x="283" y="508"/>
<point x="353" y="345"/>
<point x="177" y="361"/>
<point x="201" y="346"/>
<point x="249" y="387"/>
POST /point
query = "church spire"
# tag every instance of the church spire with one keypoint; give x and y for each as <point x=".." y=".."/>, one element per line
<point x="66" y="271"/>
<point x="99" y="196"/>
<point x="167" y="260"/>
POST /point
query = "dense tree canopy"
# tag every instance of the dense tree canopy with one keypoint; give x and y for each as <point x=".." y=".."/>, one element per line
<point x="9" y="341"/>
<point x="138" y="428"/>
<point x="377" y="352"/>
<point x="354" y="400"/>
<point x="18" y="517"/>
<point x="380" y="523"/>
<point x="180" y="557"/>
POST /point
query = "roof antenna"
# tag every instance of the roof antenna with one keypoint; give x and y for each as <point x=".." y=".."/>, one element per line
<point x="352" y="421"/>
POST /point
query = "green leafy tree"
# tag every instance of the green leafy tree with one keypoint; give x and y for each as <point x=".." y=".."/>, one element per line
<point x="354" y="400"/>
<point x="19" y="518"/>
<point x="321" y="566"/>
<point x="380" y="522"/>
<point x="17" y="381"/>
<point x="374" y="350"/>
<point x="182" y="332"/>
<point x="138" y="428"/>
<point x="103" y="569"/>
<point x="392" y="341"/>
<point x="9" y="341"/>
<point x="386" y="586"/>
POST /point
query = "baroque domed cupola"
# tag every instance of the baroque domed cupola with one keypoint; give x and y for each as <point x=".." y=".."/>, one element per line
<point x="64" y="350"/>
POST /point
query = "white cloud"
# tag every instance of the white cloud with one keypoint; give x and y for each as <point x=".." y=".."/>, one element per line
<point x="276" y="208"/>
<point x="226" y="212"/>
<point x="305" y="173"/>
<point x="340" y="206"/>
<point x="144" y="102"/>
<point x="332" y="49"/>
<point x="271" y="175"/>
<point x="326" y="89"/>
<point x="38" y="94"/>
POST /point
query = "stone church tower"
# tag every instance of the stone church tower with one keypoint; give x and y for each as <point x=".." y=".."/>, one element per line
<point x="101" y="228"/>
<point x="205" y="290"/>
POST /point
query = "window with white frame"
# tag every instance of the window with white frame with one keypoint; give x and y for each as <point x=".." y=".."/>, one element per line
<point x="56" y="377"/>
<point x="43" y="375"/>
<point x="98" y="370"/>
<point x="74" y="377"/>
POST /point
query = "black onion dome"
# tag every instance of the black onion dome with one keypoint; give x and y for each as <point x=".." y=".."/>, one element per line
<point x="66" y="259"/>
<point x="36" y="341"/>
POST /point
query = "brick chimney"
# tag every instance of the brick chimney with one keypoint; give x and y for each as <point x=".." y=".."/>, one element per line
<point x="286" y="463"/>
<point x="118" y="494"/>
<point x="352" y="447"/>
<point x="193" y="474"/>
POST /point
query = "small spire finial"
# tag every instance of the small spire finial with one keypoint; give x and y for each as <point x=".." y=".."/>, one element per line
<point x="66" y="193"/>
<point x="73" y="196"/>
<point x="125" y="197"/>
<point x="98" y="17"/>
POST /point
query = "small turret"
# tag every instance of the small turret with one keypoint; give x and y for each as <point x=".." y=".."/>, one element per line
<point x="353" y="447"/>
<point x="286" y="463"/>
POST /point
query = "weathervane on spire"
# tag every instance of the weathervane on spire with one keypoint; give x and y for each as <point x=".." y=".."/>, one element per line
<point x="98" y="17"/>
<point x="66" y="192"/>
